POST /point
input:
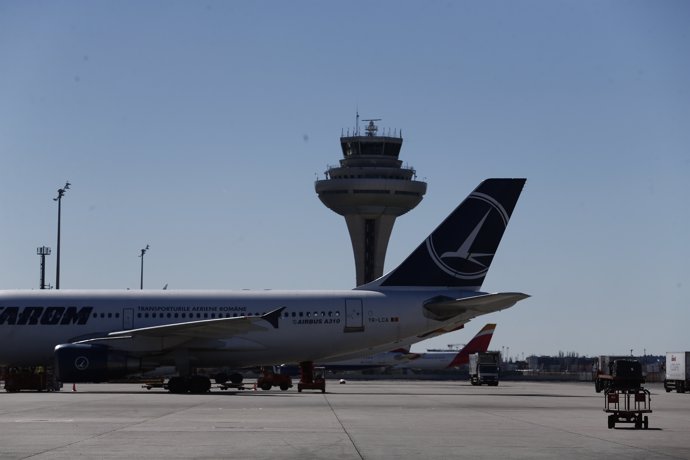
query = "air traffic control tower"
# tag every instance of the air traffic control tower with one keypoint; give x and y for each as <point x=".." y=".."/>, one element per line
<point x="370" y="188"/>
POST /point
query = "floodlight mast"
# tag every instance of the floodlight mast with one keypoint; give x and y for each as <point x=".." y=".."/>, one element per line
<point x="43" y="251"/>
<point x="61" y="193"/>
<point x="143" y="251"/>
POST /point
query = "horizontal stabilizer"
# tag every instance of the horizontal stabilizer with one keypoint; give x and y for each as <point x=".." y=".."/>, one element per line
<point x="444" y="308"/>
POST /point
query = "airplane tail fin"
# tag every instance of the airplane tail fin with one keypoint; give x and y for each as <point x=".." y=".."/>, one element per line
<point x="478" y="344"/>
<point x="459" y="252"/>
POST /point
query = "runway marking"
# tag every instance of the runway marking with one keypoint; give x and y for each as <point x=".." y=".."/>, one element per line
<point x="352" y="441"/>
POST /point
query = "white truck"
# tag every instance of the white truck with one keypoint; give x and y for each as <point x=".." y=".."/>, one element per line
<point x="677" y="371"/>
<point x="484" y="368"/>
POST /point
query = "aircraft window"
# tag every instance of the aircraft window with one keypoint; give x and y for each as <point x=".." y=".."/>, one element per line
<point x="110" y="315"/>
<point x="330" y="313"/>
<point x="117" y="315"/>
<point x="213" y="315"/>
<point x="169" y="315"/>
<point x="146" y="315"/>
<point x="316" y="313"/>
<point x="176" y="315"/>
<point x="308" y="314"/>
<point x="337" y="313"/>
<point x="301" y="314"/>
<point x="205" y="315"/>
<point x="95" y="315"/>
<point x="184" y="315"/>
<point x="234" y="315"/>
<point x="323" y="313"/>
<point x="294" y="314"/>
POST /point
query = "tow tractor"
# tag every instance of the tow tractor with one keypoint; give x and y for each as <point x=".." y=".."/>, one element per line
<point x="311" y="377"/>
<point x="269" y="379"/>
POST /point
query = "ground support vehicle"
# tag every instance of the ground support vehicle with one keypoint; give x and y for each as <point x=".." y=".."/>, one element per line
<point x="616" y="372"/>
<point x="312" y="378"/>
<point x="36" y="379"/>
<point x="231" y="386"/>
<point x="153" y="383"/>
<point x="484" y="368"/>
<point x="627" y="406"/>
<point x="677" y="374"/>
<point x="269" y="379"/>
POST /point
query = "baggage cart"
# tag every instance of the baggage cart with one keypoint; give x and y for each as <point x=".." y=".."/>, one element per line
<point x="627" y="406"/>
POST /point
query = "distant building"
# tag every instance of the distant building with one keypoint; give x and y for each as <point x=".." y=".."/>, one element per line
<point x="370" y="188"/>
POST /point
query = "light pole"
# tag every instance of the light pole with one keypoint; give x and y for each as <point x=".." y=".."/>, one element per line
<point x="143" y="251"/>
<point x="61" y="192"/>
<point x="43" y="251"/>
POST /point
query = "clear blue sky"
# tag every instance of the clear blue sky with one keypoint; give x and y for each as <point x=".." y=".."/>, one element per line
<point x="200" y="127"/>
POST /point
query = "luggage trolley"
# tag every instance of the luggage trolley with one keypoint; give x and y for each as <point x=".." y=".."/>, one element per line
<point x="627" y="406"/>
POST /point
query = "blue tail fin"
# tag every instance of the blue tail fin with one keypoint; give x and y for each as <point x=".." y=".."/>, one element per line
<point x="459" y="252"/>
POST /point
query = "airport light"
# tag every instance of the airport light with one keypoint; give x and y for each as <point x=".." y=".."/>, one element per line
<point x="43" y="251"/>
<point x="143" y="251"/>
<point x="61" y="193"/>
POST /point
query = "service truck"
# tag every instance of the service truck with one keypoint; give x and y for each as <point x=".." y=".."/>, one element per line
<point x="677" y="371"/>
<point x="617" y="372"/>
<point x="484" y="368"/>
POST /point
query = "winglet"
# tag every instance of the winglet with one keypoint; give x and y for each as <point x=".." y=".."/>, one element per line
<point x="273" y="316"/>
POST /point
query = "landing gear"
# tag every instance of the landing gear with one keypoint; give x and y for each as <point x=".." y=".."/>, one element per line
<point x="195" y="384"/>
<point x="177" y="385"/>
<point x="199" y="384"/>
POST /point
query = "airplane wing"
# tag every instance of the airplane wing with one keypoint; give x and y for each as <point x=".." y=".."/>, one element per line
<point x="444" y="308"/>
<point x="171" y="335"/>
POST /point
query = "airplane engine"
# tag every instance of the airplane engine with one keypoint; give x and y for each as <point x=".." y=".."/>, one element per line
<point x="92" y="363"/>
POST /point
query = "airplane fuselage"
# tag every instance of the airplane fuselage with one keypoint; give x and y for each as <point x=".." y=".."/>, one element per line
<point x="313" y="325"/>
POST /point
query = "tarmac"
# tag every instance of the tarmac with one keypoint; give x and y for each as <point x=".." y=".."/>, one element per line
<point x="356" y="420"/>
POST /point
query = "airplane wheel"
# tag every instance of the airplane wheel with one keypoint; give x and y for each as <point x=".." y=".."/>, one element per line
<point x="199" y="384"/>
<point x="221" y="378"/>
<point x="178" y="385"/>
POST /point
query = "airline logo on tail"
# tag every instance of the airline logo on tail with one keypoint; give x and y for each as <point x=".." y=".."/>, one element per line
<point x="478" y="344"/>
<point x="468" y="261"/>
<point x="459" y="252"/>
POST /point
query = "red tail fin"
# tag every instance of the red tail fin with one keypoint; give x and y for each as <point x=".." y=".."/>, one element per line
<point x="479" y="343"/>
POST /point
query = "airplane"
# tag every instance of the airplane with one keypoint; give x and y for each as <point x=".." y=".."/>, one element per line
<point x="435" y="360"/>
<point x="100" y="335"/>
<point x="404" y="359"/>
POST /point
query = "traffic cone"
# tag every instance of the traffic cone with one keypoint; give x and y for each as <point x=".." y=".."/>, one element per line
<point x="254" y="386"/>
<point x="74" y="387"/>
